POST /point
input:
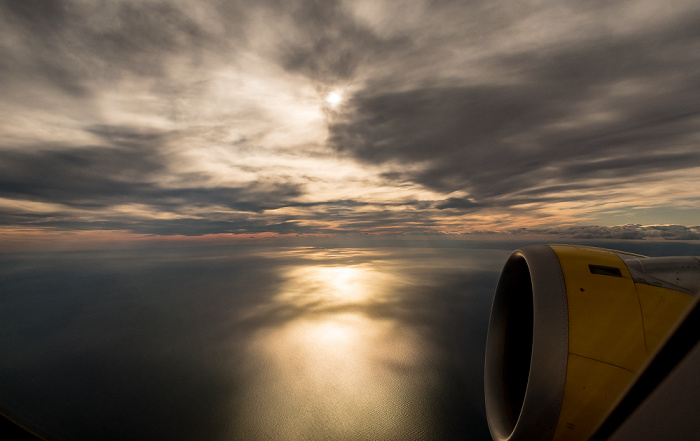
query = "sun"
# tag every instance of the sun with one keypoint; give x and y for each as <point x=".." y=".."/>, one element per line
<point x="334" y="98"/>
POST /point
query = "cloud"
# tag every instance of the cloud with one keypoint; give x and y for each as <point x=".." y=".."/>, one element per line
<point x="629" y="231"/>
<point x="458" y="203"/>
<point x="608" y="111"/>
<point x="129" y="168"/>
<point x="121" y="36"/>
<point x="327" y="43"/>
<point x="196" y="118"/>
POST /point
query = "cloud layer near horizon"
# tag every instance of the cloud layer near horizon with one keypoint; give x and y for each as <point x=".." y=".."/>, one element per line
<point x="193" y="118"/>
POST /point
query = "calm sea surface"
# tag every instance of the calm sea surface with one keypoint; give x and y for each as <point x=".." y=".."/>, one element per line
<point x="379" y="341"/>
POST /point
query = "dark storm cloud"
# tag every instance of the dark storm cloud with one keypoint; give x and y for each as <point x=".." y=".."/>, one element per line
<point x="536" y="120"/>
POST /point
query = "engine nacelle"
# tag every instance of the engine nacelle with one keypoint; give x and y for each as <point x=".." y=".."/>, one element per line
<point x="570" y="328"/>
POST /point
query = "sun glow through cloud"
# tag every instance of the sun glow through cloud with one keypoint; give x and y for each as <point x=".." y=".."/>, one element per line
<point x="333" y="121"/>
<point x="334" y="98"/>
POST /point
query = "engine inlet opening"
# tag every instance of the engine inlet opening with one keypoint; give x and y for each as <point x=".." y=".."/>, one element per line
<point x="517" y="351"/>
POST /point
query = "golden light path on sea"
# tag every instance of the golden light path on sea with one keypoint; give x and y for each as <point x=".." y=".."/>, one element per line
<point x="335" y="366"/>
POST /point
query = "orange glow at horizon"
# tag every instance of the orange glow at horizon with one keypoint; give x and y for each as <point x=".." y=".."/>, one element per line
<point x="45" y="239"/>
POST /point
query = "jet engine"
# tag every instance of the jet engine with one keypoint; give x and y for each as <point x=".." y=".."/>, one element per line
<point x="570" y="329"/>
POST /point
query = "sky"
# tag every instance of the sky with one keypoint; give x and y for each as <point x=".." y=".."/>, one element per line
<point x="177" y="120"/>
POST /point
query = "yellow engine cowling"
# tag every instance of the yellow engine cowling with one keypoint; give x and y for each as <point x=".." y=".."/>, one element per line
<point x="570" y="328"/>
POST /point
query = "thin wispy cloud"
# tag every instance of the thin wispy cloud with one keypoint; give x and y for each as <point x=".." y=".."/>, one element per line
<point x="198" y="118"/>
<point x="629" y="231"/>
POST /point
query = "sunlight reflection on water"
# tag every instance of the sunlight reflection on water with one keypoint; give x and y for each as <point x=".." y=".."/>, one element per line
<point x="336" y="370"/>
<point x="326" y="286"/>
<point x="256" y="343"/>
<point x="343" y="376"/>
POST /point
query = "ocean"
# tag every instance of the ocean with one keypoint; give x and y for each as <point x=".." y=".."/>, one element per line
<point x="298" y="340"/>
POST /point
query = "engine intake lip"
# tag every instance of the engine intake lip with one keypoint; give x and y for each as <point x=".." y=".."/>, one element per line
<point x="527" y="347"/>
